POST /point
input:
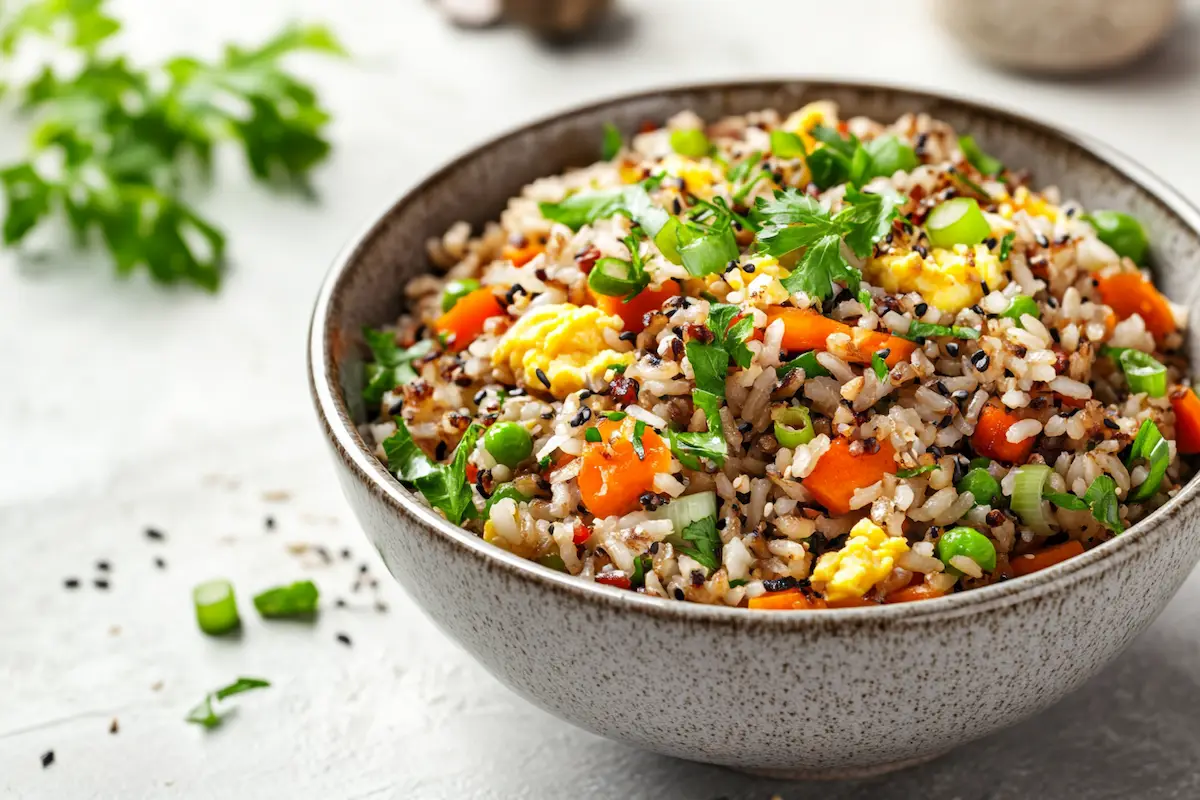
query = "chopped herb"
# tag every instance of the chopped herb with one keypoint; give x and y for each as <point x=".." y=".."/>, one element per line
<point x="612" y="143"/>
<point x="987" y="165"/>
<point x="912" y="473"/>
<point x="203" y="714"/>
<point x="1066" y="500"/>
<point x="1101" y="497"/>
<point x="585" y="208"/>
<point x="295" y="600"/>
<point x="805" y="361"/>
<point x="731" y="327"/>
<point x="706" y="539"/>
<point x="544" y="463"/>
<point x="880" y="367"/>
<point x="445" y="487"/>
<point x="615" y="416"/>
<point x="641" y="565"/>
<point x="392" y="365"/>
<point x="593" y="435"/>
<point x="920" y="330"/>
<point x="639" y="430"/>
<point x="505" y="491"/>
<point x="736" y="582"/>
<point x="689" y="447"/>
<point x="710" y="364"/>
<point x="786" y="144"/>
<point x="1006" y="246"/>
<point x="1150" y="446"/>
<point x="970" y="185"/>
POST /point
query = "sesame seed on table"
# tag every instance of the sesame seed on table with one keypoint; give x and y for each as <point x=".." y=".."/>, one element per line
<point x="199" y="449"/>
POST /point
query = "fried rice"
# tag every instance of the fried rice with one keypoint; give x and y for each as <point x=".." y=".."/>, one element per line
<point x="789" y="362"/>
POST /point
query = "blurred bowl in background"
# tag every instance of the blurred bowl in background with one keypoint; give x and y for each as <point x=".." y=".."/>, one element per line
<point x="556" y="19"/>
<point x="1060" y="36"/>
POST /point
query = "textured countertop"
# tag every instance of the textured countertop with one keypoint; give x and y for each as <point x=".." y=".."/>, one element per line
<point x="124" y="406"/>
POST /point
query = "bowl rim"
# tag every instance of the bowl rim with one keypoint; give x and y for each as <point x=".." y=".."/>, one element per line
<point x="353" y="451"/>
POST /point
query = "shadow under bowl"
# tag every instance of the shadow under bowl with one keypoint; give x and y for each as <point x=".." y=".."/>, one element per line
<point x="836" y="693"/>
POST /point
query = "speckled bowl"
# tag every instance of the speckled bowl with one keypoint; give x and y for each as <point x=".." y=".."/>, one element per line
<point x="819" y="694"/>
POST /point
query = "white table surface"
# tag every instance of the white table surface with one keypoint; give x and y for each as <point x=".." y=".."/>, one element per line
<point x="124" y="405"/>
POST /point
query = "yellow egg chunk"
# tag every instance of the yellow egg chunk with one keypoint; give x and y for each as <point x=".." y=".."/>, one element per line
<point x="950" y="280"/>
<point x="759" y="281"/>
<point x="867" y="558"/>
<point x="698" y="176"/>
<point x="564" y="341"/>
<point x="1031" y="203"/>
<point x="810" y="116"/>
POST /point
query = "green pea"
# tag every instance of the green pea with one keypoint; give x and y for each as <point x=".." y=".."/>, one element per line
<point x="457" y="290"/>
<point x="1123" y="233"/>
<point x="982" y="486"/>
<point x="963" y="541"/>
<point x="502" y="492"/>
<point x="1021" y="305"/>
<point x="553" y="561"/>
<point x="980" y="462"/>
<point x="508" y="442"/>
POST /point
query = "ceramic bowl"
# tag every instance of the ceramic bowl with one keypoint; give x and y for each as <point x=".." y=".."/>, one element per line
<point x="832" y="693"/>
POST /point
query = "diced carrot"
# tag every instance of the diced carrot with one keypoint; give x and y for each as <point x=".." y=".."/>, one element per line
<point x="805" y="329"/>
<point x="838" y="474"/>
<point x="464" y="321"/>
<point x="920" y="591"/>
<point x="991" y="436"/>
<point x="1187" y="419"/>
<point x="1128" y="293"/>
<point x="1032" y="562"/>
<point x="633" y="312"/>
<point x="612" y="477"/>
<point x="520" y="256"/>
<point x="787" y="600"/>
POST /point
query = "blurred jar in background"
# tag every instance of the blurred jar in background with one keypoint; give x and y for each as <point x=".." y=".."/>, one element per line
<point x="552" y="19"/>
<point x="1058" y="35"/>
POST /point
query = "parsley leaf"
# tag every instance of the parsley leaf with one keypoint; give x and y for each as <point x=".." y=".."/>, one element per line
<point x="204" y="715"/>
<point x="786" y="144"/>
<point x="124" y="139"/>
<point x="444" y="486"/>
<point x="919" y="330"/>
<point x="639" y="448"/>
<point x="584" y="208"/>
<point x="690" y="446"/>
<point x="612" y="142"/>
<point x="392" y="366"/>
<point x="710" y="364"/>
<point x="805" y="361"/>
<point x="295" y="600"/>
<point x="1101" y="497"/>
<point x="706" y="540"/>
<point x="1006" y="245"/>
<point x="915" y="471"/>
<point x="641" y="565"/>
<point x="731" y="336"/>
<point x="880" y="367"/>
<point x="867" y="221"/>
<point x="1066" y="500"/>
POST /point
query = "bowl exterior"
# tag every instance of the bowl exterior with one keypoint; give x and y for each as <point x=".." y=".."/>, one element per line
<point x="833" y="693"/>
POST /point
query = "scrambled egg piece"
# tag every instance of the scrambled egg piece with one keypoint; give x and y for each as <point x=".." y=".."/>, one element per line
<point x="810" y="116"/>
<point x="867" y="559"/>
<point x="1031" y="203"/>
<point x="565" y="342"/>
<point x="699" y="176"/>
<point x="760" y="286"/>
<point x="949" y="279"/>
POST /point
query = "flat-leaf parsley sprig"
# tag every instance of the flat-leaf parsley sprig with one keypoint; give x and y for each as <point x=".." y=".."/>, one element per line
<point x="114" y="144"/>
<point x="792" y="221"/>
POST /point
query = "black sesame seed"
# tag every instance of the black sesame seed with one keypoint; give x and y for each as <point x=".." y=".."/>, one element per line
<point x="920" y="308"/>
<point x="346" y="553"/>
<point x="1042" y="240"/>
<point x="984" y="287"/>
<point x="340" y="603"/>
<point x="583" y="416"/>
<point x="936" y="451"/>
<point x="884" y="353"/>
<point x="155" y="533"/>
<point x="748" y="268"/>
<point x="47" y="758"/>
<point x="628" y="336"/>
<point x="71" y="583"/>
<point x="269" y="523"/>
<point x="585" y="394"/>
<point x="1111" y="425"/>
<point x="976" y="308"/>
<point x="745" y="427"/>
<point x="991" y="243"/>
<point x="396" y="408"/>
<point x="780" y="584"/>
<point x="960" y="395"/>
<point x="439" y="452"/>
<point x="114" y="726"/>
<point x="653" y="548"/>
<point x="381" y="606"/>
<point x="679" y="595"/>
<point x="952" y="348"/>
<point x="100" y="583"/>
<point x="1055" y="335"/>
<point x="103" y="566"/>
<point x="344" y="639"/>
<point x="362" y="568"/>
<point x="980" y="360"/>
<point x="160" y="562"/>
<point x="921" y="250"/>
<point x="743" y="497"/>
<point x="941" y="389"/>
<point x="541" y="376"/>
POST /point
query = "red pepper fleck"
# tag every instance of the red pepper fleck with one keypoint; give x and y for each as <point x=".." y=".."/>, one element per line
<point x="648" y="126"/>
<point x="582" y="534"/>
<point x="472" y="473"/>
<point x="617" y="579"/>
<point x="587" y="259"/>
<point x="624" y="390"/>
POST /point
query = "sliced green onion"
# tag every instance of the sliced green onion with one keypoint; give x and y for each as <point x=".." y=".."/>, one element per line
<point x="1006" y="245"/>
<point x="553" y="561"/>
<point x="506" y="491"/>
<point x="1144" y="373"/>
<point x="957" y="221"/>
<point x="1101" y="497"/>
<point x="612" y="143"/>
<point x="297" y="600"/>
<point x="593" y="435"/>
<point x="683" y="511"/>
<point x="667" y="240"/>
<point x="793" y="426"/>
<point x="785" y="144"/>
<point x="805" y="361"/>
<point x="691" y="142"/>
<point x="613" y="277"/>
<point x="1019" y="306"/>
<point x="978" y="159"/>
<point x="1150" y="446"/>
<point x="916" y="471"/>
<point x="707" y="252"/>
<point x="1123" y="233"/>
<point x="1027" y="497"/>
<point x="457" y="290"/>
<point x="216" y="607"/>
<point x="982" y="486"/>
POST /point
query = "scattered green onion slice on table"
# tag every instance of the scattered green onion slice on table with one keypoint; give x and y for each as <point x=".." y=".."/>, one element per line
<point x="1150" y="445"/>
<point x="1123" y="233"/>
<point x="294" y="600"/>
<point x="957" y="221"/>
<point x="1019" y="306"/>
<point x="1027" y="497"/>
<point x="1144" y="373"/>
<point x="216" y="607"/>
<point x="690" y="142"/>
<point x="793" y="426"/>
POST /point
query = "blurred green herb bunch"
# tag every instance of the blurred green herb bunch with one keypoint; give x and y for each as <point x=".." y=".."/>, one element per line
<point x="115" y="145"/>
